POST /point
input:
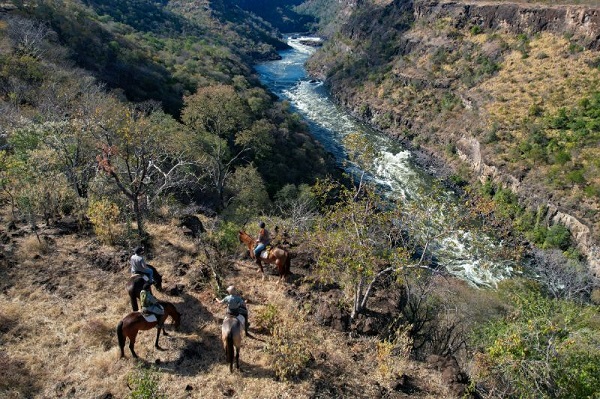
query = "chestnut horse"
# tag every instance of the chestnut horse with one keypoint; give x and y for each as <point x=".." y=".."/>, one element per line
<point x="136" y="283"/>
<point x="279" y="256"/>
<point x="135" y="321"/>
<point x="231" y="335"/>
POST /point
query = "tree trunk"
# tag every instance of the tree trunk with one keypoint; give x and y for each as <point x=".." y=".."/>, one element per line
<point x="138" y="216"/>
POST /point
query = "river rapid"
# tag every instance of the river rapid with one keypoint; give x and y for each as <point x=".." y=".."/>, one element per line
<point x="462" y="254"/>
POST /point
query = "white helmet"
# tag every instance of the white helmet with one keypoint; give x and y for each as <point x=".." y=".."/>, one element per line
<point x="231" y="289"/>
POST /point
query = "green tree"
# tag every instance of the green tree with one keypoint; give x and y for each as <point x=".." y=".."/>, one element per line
<point x="217" y="116"/>
<point x="354" y="243"/>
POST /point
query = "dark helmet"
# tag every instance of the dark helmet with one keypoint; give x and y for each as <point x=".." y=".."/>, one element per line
<point x="262" y="225"/>
<point x="139" y="250"/>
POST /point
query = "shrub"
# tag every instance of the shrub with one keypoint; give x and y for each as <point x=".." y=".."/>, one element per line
<point x="557" y="236"/>
<point x="104" y="215"/>
<point x="143" y="383"/>
<point x="266" y="318"/>
<point x="289" y="349"/>
<point x="476" y="29"/>
<point x="35" y="245"/>
<point x="542" y="348"/>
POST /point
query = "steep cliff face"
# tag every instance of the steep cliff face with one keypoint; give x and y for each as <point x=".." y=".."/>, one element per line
<point x="483" y="83"/>
<point x="579" y="21"/>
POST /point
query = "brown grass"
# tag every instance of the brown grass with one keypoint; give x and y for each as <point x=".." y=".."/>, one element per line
<point x="59" y="310"/>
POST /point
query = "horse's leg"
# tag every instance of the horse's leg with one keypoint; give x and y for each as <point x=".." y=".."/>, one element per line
<point x="237" y="356"/>
<point x="158" y="328"/>
<point x="134" y="304"/>
<point x="121" y="338"/>
<point x="132" y="344"/>
<point x="162" y="325"/>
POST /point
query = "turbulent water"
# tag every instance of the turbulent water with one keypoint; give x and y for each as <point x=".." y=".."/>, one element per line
<point x="462" y="254"/>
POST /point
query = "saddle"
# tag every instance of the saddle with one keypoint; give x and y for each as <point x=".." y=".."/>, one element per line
<point x="264" y="254"/>
<point x="149" y="317"/>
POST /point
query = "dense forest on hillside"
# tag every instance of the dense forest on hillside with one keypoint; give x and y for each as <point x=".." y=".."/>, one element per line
<point x="141" y="122"/>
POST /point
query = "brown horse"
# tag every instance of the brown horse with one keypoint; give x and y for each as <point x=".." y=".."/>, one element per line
<point x="231" y="335"/>
<point x="136" y="283"/>
<point x="279" y="256"/>
<point x="135" y="321"/>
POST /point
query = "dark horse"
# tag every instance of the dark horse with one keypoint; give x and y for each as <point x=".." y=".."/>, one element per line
<point x="135" y="321"/>
<point x="279" y="256"/>
<point x="231" y="335"/>
<point x="136" y="283"/>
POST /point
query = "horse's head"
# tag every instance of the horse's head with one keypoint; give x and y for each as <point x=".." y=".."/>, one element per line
<point x="176" y="319"/>
<point x="245" y="238"/>
<point x="157" y="278"/>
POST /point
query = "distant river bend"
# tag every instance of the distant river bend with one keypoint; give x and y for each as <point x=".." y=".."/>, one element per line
<point x="394" y="170"/>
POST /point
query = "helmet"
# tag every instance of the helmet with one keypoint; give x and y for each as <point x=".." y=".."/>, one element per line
<point x="231" y="290"/>
<point x="139" y="250"/>
<point x="262" y="225"/>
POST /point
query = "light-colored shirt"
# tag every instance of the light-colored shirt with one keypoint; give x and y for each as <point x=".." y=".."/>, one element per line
<point x="137" y="264"/>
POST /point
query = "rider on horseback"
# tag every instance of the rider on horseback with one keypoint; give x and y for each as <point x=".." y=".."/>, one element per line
<point x="150" y="303"/>
<point x="235" y="305"/>
<point x="264" y="239"/>
<point x="138" y="265"/>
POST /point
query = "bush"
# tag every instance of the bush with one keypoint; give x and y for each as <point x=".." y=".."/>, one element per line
<point x="289" y="349"/>
<point x="104" y="215"/>
<point x="557" y="236"/>
<point x="542" y="348"/>
<point x="266" y="318"/>
<point x="143" y="383"/>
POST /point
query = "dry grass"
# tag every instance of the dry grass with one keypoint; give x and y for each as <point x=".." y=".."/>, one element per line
<point x="59" y="310"/>
<point x="551" y="76"/>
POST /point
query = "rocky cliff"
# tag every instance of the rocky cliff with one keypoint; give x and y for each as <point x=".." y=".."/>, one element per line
<point x="476" y="83"/>
<point x="582" y="22"/>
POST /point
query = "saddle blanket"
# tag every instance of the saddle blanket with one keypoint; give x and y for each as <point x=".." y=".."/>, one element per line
<point x="239" y="317"/>
<point x="150" y="317"/>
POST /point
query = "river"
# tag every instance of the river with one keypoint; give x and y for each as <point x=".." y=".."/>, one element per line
<point x="462" y="254"/>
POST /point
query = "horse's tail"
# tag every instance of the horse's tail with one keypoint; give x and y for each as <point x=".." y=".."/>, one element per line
<point x="121" y="338"/>
<point x="229" y="349"/>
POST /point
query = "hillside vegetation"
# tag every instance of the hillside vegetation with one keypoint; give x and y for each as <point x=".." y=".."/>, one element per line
<point x="141" y="123"/>
<point x="447" y="77"/>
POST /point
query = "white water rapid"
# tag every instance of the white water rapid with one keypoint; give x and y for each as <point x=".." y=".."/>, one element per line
<point x="463" y="254"/>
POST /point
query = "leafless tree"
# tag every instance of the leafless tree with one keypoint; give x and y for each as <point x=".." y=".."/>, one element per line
<point x="562" y="277"/>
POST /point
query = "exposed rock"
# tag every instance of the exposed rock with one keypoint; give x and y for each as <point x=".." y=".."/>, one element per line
<point x="452" y="375"/>
<point x="329" y="312"/>
<point x="578" y="21"/>
<point x="193" y="224"/>
<point x="469" y="150"/>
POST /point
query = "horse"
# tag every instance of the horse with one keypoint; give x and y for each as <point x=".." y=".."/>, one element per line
<point x="231" y="335"/>
<point x="279" y="256"/>
<point x="136" y="283"/>
<point x="135" y="321"/>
